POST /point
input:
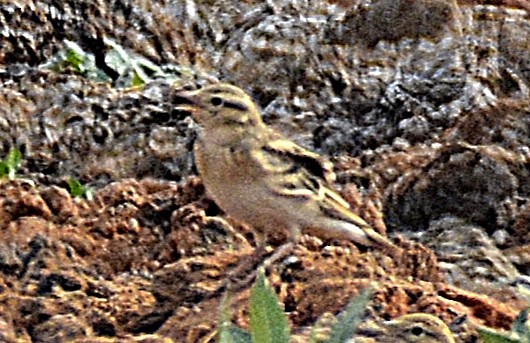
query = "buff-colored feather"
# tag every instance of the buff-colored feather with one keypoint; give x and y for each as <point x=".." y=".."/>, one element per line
<point x="258" y="176"/>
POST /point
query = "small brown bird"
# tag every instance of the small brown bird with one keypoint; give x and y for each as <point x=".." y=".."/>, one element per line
<point x="258" y="176"/>
<point x="417" y="328"/>
<point x="409" y="328"/>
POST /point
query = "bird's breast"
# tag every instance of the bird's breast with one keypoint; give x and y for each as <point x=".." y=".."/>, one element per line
<point x="235" y="181"/>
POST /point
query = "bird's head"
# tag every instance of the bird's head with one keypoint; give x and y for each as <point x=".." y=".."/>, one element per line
<point x="420" y="328"/>
<point x="219" y="106"/>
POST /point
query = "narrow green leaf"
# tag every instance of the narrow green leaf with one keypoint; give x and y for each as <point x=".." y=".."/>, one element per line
<point x="520" y="324"/>
<point x="4" y="170"/>
<point x="490" y="336"/>
<point x="268" y="323"/>
<point x="77" y="189"/>
<point x="138" y="78"/>
<point x="75" y="56"/>
<point x="10" y="164"/>
<point x="14" y="157"/>
<point x="75" y="60"/>
<point x="350" y="318"/>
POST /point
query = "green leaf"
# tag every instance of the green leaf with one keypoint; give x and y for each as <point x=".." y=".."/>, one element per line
<point x="4" y="170"/>
<point x="77" y="189"/>
<point x="10" y="164"/>
<point x="138" y="78"/>
<point x="491" y="336"/>
<point x="75" y="60"/>
<point x="14" y="157"/>
<point x="268" y="323"/>
<point x="75" y="56"/>
<point x="350" y="318"/>
<point x="520" y="324"/>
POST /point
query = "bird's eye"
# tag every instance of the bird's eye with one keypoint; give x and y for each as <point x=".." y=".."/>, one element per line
<point x="216" y="101"/>
<point x="417" y="331"/>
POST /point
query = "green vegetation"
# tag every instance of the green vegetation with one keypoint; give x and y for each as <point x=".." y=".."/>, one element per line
<point x="122" y="68"/>
<point x="10" y="164"/>
<point x="82" y="62"/>
<point x="350" y="318"/>
<point x="132" y="71"/>
<point x="77" y="189"/>
<point x="520" y="332"/>
<point x="269" y="324"/>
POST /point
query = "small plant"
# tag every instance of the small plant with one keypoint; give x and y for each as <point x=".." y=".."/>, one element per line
<point x="77" y="58"/>
<point x="77" y="189"/>
<point x="350" y="318"/>
<point x="268" y="322"/>
<point x="126" y="69"/>
<point x="10" y="164"/>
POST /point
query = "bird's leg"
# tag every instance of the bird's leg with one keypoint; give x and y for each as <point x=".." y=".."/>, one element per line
<point x="236" y="283"/>
<point x="279" y="253"/>
<point x="245" y="273"/>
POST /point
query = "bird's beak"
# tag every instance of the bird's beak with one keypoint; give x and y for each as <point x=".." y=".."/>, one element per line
<point x="186" y="101"/>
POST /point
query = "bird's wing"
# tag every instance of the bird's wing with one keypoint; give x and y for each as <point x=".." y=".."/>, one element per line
<point x="291" y="153"/>
<point x="295" y="172"/>
<point x="300" y="173"/>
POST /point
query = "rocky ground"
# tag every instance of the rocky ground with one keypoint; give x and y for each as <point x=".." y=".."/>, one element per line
<point x="423" y="106"/>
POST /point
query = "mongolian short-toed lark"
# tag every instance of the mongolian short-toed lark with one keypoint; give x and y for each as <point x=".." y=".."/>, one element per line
<point x="418" y="328"/>
<point x="258" y="176"/>
<point x="409" y="328"/>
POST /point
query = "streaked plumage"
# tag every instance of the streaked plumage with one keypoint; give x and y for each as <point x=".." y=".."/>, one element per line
<point x="418" y="328"/>
<point x="258" y="176"/>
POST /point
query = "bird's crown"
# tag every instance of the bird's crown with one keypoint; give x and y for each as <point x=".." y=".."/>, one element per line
<point x="222" y="104"/>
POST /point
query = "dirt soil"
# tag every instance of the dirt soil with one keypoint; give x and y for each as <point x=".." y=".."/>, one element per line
<point x="426" y="119"/>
